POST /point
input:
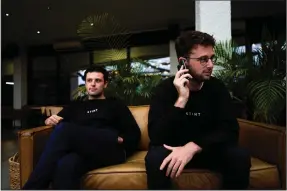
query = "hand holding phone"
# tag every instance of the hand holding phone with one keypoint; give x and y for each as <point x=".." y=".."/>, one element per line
<point x="181" y="81"/>
<point x="181" y="65"/>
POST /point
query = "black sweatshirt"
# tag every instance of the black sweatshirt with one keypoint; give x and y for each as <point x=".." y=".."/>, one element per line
<point x="105" y="113"/>
<point x="206" y="120"/>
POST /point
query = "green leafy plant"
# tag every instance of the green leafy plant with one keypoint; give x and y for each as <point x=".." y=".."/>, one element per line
<point x="233" y="66"/>
<point x="131" y="86"/>
<point x="268" y="86"/>
<point x="259" y="79"/>
<point x="79" y="92"/>
<point x="126" y="82"/>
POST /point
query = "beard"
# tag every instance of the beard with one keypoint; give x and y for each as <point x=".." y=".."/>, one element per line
<point x="195" y="77"/>
<point x="198" y="77"/>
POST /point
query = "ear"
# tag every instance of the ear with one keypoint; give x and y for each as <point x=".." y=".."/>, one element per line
<point x="106" y="84"/>
<point x="180" y="59"/>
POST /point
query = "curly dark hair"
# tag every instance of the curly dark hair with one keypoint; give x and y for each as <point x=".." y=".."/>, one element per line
<point x="97" y="69"/>
<point x="189" y="39"/>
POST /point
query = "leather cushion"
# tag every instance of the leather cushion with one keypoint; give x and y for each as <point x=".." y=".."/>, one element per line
<point x="132" y="175"/>
<point x="140" y="114"/>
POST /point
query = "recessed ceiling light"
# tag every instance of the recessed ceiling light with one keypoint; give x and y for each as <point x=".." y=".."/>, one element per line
<point x="38" y="32"/>
<point x="7" y="14"/>
<point x="92" y="24"/>
<point x="49" y="8"/>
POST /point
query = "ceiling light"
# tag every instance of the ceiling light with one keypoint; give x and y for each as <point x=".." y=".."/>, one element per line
<point x="92" y="24"/>
<point x="10" y="83"/>
<point x="49" y="8"/>
<point x="7" y="14"/>
<point x="38" y="32"/>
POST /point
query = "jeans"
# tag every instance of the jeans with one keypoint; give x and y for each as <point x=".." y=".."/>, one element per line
<point x="72" y="151"/>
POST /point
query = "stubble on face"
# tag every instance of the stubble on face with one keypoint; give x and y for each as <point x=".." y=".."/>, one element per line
<point x="198" y="72"/>
<point x="95" y="85"/>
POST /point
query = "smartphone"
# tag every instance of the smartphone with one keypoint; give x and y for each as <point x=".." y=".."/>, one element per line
<point x="181" y="63"/>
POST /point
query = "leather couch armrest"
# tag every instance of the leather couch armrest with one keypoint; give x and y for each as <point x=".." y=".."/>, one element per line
<point x="31" y="144"/>
<point x="266" y="142"/>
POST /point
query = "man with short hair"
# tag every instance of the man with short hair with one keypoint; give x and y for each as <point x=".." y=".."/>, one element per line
<point x="191" y="123"/>
<point x="89" y="134"/>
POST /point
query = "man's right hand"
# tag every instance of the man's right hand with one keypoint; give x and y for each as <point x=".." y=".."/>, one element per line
<point x="181" y="84"/>
<point x="53" y="120"/>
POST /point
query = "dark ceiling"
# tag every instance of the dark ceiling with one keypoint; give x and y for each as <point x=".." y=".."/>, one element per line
<point x="58" y="19"/>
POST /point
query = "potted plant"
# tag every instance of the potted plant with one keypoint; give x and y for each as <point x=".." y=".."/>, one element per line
<point x="258" y="80"/>
<point x="126" y="83"/>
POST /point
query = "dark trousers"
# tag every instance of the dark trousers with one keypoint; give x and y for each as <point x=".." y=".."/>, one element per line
<point x="71" y="151"/>
<point x="232" y="162"/>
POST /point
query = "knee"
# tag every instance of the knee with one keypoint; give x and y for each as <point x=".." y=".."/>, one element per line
<point x="155" y="157"/>
<point x="62" y="126"/>
<point x="67" y="163"/>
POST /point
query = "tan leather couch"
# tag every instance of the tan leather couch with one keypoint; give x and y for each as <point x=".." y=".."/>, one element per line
<point x="266" y="143"/>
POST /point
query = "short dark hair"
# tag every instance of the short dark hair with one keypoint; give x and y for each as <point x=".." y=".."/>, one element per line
<point x="190" y="39"/>
<point x="97" y="69"/>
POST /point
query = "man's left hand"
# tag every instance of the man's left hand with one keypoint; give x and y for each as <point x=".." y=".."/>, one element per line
<point x="178" y="158"/>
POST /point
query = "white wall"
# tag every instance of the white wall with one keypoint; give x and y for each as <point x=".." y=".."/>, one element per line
<point x="173" y="58"/>
<point x="214" y="17"/>
<point x="20" y="79"/>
